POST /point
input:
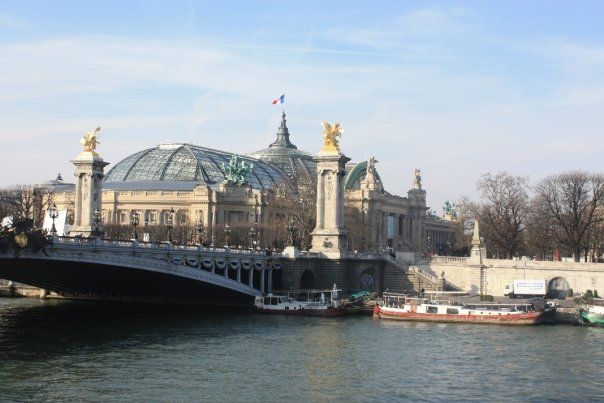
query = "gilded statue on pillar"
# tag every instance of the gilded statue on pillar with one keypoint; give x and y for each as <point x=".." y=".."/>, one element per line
<point x="330" y="142"/>
<point x="90" y="141"/>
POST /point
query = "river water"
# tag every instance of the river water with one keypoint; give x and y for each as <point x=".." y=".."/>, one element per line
<point x="73" y="351"/>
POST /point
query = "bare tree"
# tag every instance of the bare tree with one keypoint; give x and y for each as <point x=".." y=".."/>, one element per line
<point x="353" y="224"/>
<point x="467" y="213"/>
<point x="18" y="201"/>
<point x="503" y="211"/>
<point x="573" y="202"/>
<point x="540" y="233"/>
<point x="296" y="209"/>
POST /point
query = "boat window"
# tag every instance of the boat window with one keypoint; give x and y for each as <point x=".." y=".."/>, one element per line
<point x="431" y="309"/>
<point x="452" y="311"/>
<point x="274" y="301"/>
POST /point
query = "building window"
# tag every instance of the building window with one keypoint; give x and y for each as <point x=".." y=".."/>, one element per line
<point x="390" y="226"/>
<point x="400" y="225"/>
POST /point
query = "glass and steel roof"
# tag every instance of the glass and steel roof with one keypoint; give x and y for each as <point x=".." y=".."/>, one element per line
<point x="285" y="155"/>
<point x="188" y="163"/>
<point x="356" y="173"/>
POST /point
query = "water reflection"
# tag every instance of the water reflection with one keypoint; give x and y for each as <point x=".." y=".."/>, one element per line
<point x="62" y="350"/>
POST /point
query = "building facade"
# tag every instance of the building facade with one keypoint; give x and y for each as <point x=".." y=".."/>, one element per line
<point x="185" y="184"/>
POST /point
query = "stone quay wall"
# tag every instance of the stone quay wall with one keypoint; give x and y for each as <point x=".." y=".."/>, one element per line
<point x="465" y="274"/>
<point x="348" y="275"/>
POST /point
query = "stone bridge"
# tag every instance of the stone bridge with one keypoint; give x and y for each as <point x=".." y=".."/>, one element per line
<point x="131" y="270"/>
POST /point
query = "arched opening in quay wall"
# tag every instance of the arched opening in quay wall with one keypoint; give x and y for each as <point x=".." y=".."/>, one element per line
<point x="558" y="288"/>
<point x="367" y="281"/>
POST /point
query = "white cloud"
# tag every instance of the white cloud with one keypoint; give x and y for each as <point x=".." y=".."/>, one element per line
<point x="454" y="125"/>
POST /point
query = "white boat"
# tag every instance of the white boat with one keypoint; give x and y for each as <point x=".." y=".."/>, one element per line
<point x="443" y="306"/>
<point x="315" y="303"/>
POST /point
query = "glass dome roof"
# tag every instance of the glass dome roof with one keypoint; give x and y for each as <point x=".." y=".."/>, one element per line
<point x="285" y="155"/>
<point x="189" y="163"/>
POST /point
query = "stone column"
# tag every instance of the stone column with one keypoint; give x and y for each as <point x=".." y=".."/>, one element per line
<point x="320" y="201"/>
<point x="262" y="280"/>
<point x="328" y="237"/>
<point x="89" y="171"/>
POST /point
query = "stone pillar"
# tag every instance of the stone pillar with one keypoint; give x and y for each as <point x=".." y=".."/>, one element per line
<point x="262" y="280"/>
<point x="478" y="252"/>
<point x="328" y="237"/>
<point x="251" y="279"/>
<point x="89" y="173"/>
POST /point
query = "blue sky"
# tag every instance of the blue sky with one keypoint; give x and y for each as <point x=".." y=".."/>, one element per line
<point x="456" y="89"/>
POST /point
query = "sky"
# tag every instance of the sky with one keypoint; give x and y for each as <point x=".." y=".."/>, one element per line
<point x="456" y="89"/>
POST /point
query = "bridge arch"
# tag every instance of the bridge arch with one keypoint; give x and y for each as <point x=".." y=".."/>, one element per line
<point x="559" y="288"/>
<point x="142" y="272"/>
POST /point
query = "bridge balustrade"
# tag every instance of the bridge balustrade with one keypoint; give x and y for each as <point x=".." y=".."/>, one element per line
<point x="166" y="257"/>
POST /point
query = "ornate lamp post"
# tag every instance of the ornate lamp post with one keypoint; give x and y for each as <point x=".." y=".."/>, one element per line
<point x="146" y="228"/>
<point x="291" y="228"/>
<point x="200" y="228"/>
<point x="252" y="235"/>
<point x="134" y="220"/>
<point x="170" y="224"/>
<point x="54" y="214"/>
<point x="97" y="217"/>
<point x="227" y="233"/>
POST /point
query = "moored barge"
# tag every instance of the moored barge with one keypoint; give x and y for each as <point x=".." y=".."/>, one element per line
<point x="438" y="309"/>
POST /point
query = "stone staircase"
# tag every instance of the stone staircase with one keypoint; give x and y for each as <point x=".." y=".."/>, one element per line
<point x="412" y="278"/>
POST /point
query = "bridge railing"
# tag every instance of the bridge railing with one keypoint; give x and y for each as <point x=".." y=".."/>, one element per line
<point x="149" y="246"/>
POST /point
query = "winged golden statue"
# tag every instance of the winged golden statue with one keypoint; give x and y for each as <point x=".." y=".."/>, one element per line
<point x="330" y="143"/>
<point x="90" y="141"/>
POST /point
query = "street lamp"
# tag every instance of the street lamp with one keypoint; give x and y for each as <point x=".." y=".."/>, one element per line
<point x="54" y="214"/>
<point x="170" y="224"/>
<point x="252" y="235"/>
<point x="227" y="232"/>
<point x="134" y="220"/>
<point x="291" y="228"/>
<point x="97" y="216"/>
<point x="200" y="228"/>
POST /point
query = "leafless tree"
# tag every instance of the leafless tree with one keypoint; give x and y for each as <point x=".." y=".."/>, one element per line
<point x="573" y="202"/>
<point x="353" y="224"/>
<point x="540" y="233"/>
<point x="296" y="208"/>
<point x="18" y="201"/>
<point x="503" y="211"/>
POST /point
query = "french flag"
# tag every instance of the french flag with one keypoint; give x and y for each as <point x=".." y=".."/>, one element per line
<point x="279" y="100"/>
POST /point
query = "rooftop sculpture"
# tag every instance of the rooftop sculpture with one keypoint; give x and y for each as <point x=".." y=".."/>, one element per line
<point x="449" y="209"/>
<point x="236" y="171"/>
<point x="417" y="179"/>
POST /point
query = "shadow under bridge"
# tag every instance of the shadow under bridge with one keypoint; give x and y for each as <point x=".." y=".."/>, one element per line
<point x="114" y="270"/>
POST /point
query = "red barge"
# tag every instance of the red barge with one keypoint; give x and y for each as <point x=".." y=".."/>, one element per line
<point x="438" y="309"/>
